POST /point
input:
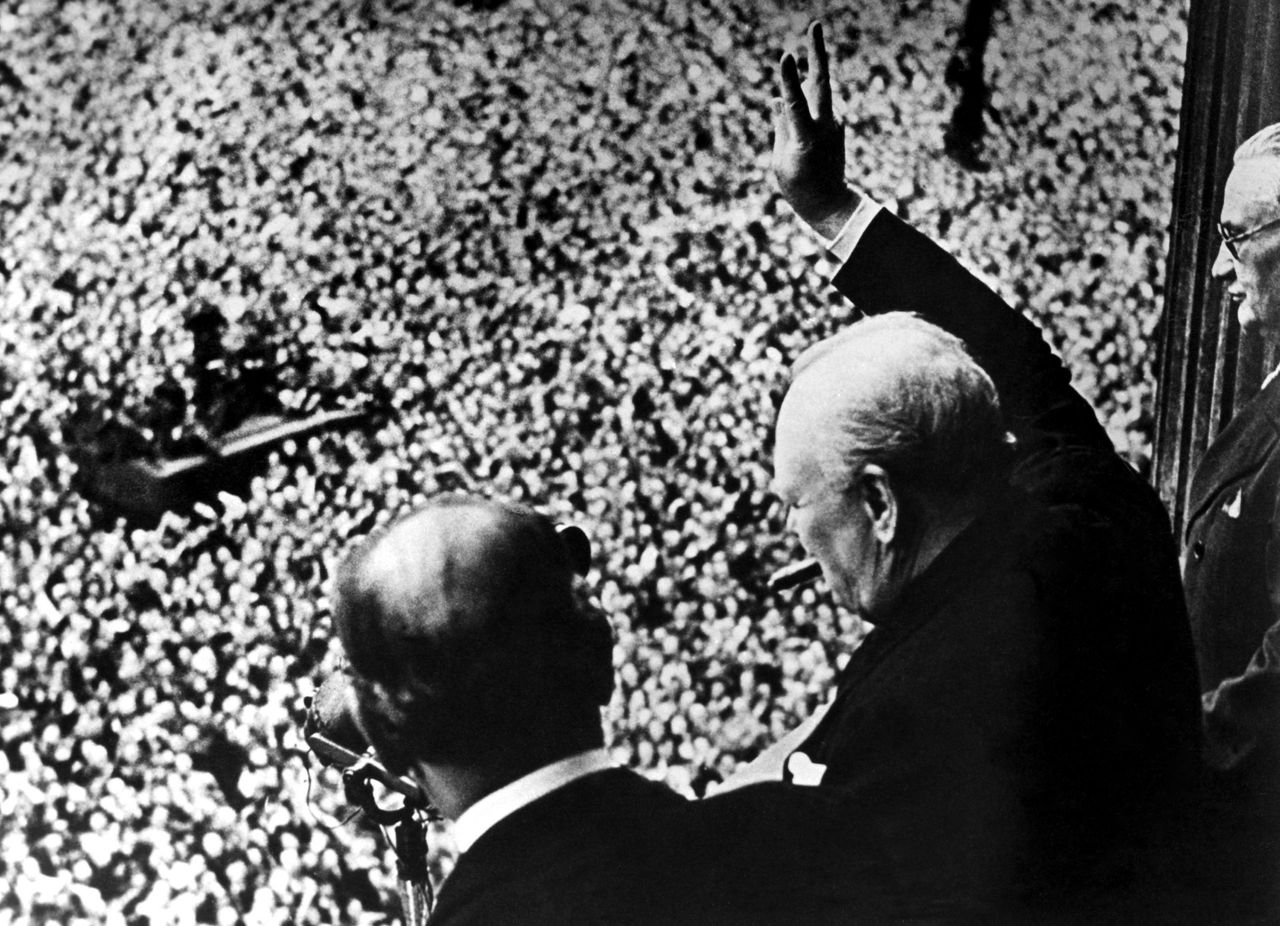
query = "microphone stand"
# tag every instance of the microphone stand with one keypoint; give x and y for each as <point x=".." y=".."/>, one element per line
<point x="410" y="821"/>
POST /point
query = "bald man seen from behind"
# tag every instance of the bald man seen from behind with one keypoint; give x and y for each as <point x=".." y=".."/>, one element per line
<point x="478" y="673"/>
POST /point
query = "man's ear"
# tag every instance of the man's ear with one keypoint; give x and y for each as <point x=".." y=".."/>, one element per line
<point x="880" y="499"/>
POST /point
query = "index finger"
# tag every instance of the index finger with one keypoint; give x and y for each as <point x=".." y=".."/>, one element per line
<point x="821" y="71"/>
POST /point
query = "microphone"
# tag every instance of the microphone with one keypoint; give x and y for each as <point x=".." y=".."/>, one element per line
<point x="804" y="572"/>
<point x="331" y="732"/>
<point x="332" y="713"/>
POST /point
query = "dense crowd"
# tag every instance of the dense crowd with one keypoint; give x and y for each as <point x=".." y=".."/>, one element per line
<point x="541" y="243"/>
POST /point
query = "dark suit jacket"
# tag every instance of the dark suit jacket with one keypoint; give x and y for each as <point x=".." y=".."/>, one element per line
<point x="614" y="848"/>
<point x="1028" y="708"/>
<point x="1232" y="577"/>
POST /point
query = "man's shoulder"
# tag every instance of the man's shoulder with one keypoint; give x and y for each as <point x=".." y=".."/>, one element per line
<point x="770" y="807"/>
<point x="773" y="853"/>
<point x="1248" y="444"/>
<point x="767" y="854"/>
<point x="992" y="560"/>
<point x="593" y="844"/>
<point x="592" y="805"/>
<point x="1093" y="485"/>
<point x="803" y="829"/>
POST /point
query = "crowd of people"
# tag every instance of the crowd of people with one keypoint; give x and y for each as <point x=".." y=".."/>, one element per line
<point x="542" y="242"/>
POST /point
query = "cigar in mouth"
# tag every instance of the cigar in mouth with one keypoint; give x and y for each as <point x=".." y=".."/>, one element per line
<point x="801" y="573"/>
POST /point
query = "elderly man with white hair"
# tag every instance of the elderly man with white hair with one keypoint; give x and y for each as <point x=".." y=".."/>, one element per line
<point x="1023" y="718"/>
<point x="1232" y="556"/>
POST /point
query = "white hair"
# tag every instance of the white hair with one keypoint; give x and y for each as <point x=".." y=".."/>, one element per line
<point x="903" y="393"/>
<point x="1264" y="143"/>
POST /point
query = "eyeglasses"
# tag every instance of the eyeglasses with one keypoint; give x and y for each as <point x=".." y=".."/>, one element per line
<point x="1231" y="241"/>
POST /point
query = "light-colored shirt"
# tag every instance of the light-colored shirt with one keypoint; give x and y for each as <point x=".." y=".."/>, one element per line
<point x="487" y="812"/>
<point x="843" y="244"/>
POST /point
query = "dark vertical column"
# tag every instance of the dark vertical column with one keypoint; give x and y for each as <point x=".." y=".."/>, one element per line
<point x="1231" y="88"/>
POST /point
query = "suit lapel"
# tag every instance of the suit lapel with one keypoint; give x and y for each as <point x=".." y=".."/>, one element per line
<point x="1242" y="447"/>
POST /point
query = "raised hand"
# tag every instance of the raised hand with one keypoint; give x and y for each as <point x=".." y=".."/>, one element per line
<point x="808" y="142"/>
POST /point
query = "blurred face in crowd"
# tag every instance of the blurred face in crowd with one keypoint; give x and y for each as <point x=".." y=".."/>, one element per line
<point x="836" y="510"/>
<point x="1250" y="200"/>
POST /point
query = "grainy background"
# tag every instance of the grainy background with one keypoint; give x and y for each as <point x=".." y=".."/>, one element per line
<point x="541" y="240"/>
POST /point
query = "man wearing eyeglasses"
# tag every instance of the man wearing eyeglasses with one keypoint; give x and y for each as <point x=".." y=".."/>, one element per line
<point x="1250" y="230"/>
<point x="1232" y="571"/>
<point x="1231" y="568"/>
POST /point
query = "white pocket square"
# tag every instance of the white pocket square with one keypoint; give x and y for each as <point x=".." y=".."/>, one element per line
<point x="801" y="770"/>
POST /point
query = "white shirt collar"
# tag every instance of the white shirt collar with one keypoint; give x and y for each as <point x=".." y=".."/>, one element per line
<point x="477" y="819"/>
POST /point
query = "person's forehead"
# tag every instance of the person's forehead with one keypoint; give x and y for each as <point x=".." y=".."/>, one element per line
<point x="782" y="485"/>
<point x="796" y="466"/>
<point x="1251" y="194"/>
<point x="816" y="400"/>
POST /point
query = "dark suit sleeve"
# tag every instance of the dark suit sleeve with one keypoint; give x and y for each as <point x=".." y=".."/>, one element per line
<point x="1242" y="714"/>
<point x="896" y="268"/>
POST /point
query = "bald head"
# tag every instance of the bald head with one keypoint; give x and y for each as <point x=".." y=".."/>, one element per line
<point x="461" y="626"/>
<point x="460" y="567"/>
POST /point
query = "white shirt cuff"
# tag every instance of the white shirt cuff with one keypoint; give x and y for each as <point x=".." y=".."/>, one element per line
<point x="844" y="243"/>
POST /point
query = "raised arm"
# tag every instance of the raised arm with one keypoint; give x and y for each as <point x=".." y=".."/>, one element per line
<point x="891" y="267"/>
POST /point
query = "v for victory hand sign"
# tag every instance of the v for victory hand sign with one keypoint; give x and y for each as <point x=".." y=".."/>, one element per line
<point x="808" y="142"/>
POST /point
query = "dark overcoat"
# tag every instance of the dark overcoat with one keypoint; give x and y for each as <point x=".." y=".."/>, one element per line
<point x="614" y="848"/>
<point x="1232" y="576"/>
<point x="1024" y="720"/>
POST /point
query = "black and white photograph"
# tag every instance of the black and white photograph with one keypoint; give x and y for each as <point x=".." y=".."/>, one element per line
<point x="639" y="462"/>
